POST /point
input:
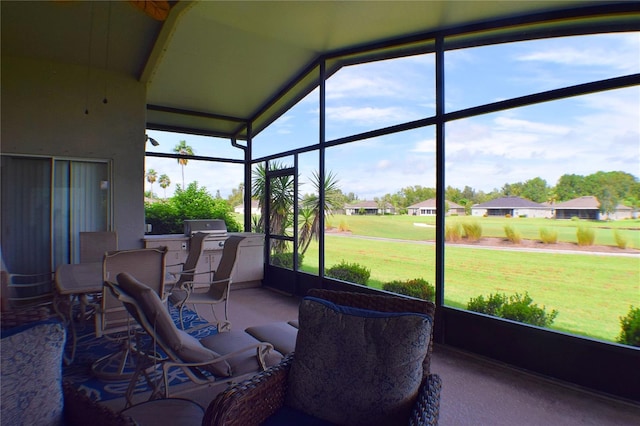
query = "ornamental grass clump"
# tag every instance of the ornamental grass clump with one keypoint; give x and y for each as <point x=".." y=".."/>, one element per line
<point x="621" y="240"/>
<point x="630" y="328"/>
<point x="512" y="235"/>
<point x="472" y="230"/>
<point x="453" y="232"/>
<point x="350" y="272"/>
<point x="417" y="287"/>
<point x="517" y="307"/>
<point x="548" y="236"/>
<point x="586" y="236"/>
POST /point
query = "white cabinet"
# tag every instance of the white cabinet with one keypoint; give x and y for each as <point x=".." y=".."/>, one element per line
<point x="249" y="267"/>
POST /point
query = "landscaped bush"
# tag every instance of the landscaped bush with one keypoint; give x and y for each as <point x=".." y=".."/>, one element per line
<point x="472" y="230"/>
<point x="548" y="236"/>
<point x="167" y="217"/>
<point x="621" y="240"/>
<point x="351" y="272"/>
<point x="491" y="306"/>
<point x="516" y="307"/>
<point x="586" y="236"/>
<point x="417" y="287"/>
<point x="285" y="260"/>
<point x="343" y="227"/>
<point x="453" y="232"/>
<point x="512" y="235"/>
<point x="630" y="328"/>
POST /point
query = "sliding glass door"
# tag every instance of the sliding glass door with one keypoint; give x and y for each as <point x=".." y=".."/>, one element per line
<point x="46" y="202"/>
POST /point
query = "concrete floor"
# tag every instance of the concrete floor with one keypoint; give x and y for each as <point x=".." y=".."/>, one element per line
<point x="475" y="391"/>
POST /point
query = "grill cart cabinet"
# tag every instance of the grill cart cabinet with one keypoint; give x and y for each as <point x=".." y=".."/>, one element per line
<point x="249" y="268"/>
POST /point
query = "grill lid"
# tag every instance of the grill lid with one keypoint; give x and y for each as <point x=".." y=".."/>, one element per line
<point x="211" y="226"/>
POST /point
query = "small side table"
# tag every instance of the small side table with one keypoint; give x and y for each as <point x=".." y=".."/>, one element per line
<point x="167" y="411"/>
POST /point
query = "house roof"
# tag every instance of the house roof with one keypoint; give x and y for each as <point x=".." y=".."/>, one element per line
<point x="431" y="203"/>
<point x="211" y="67"/>
<point x="509" y="203"/>
<point x="580" y="203"/>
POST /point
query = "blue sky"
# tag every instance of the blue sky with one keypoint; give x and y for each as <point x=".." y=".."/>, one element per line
<point x="579" y="135"/>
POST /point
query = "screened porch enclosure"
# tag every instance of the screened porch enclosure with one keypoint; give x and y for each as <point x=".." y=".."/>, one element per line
<point x="376" y="78"/>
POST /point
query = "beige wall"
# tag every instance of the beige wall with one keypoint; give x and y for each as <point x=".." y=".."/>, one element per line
<point x="43" y="113"/>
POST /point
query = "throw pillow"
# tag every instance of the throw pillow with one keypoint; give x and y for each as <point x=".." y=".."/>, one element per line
<point x="32" y="374"/>
<point x="357" y="367"/>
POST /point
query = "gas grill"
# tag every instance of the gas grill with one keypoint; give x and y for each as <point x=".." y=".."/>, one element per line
<point x="216" y="228"/>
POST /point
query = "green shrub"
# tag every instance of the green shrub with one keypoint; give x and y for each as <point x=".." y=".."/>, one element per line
<point x="163" y="218"/>
<point x="472" y="230"/>
<point x="167" y="217"/>
<point x="586" y="236"/>
<point x="285" y="260"/>
<point x="522" y="309"/>
<point x="621" y="240"/>
<point x="417" y="287"/>
<point x="491" y="306"/>
<point x="343" y="227"/>
<point x="516" y="307"/>
<point x="630" y="328"/>
<point x="548" y="236"/>
<point x="350" y="272"/>
<point x="512" y="235"/>
<point x="453" y="232"/>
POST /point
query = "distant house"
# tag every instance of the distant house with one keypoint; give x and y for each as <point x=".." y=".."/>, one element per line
<point x="368" y="207"/>
<point x="513" y="206"/>
<point x="255" y="209"/>
<point x="588" y="207"/>
<point x="428" y="208"/>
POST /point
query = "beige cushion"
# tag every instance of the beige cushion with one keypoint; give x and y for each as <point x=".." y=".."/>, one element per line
<point x="281" y="335"/>
<point x="186" y="347"/>
<point x="357" y="367"/>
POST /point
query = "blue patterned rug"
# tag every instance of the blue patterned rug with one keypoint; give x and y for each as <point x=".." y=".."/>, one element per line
<point x="89" y="349"/>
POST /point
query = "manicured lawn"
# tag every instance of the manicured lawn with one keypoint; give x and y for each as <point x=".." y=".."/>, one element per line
<point x="423" y="227"/>
<point x="590" y="292"/>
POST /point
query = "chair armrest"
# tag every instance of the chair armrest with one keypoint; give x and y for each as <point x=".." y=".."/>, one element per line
<point x="426" y="409"/>
<point x="250" y="402"/>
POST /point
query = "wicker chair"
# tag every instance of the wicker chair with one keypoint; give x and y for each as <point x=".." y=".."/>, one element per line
<point x="254" y="401"/>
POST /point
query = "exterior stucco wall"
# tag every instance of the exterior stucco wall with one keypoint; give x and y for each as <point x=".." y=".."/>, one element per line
<point x="46" y="101"/>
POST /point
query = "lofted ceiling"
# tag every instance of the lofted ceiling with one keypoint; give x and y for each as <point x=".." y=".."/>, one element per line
<point x="212" y="66"/>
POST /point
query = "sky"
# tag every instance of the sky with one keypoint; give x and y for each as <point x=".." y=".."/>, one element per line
<point x="579" y="135"/>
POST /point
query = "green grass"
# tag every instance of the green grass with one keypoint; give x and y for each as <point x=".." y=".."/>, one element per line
<point x="403" y="227"/>
<point x="590" y="292"/>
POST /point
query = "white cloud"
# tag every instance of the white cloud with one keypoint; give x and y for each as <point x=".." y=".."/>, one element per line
<point x="365" y="115"/>
<point x="616" y="51"/>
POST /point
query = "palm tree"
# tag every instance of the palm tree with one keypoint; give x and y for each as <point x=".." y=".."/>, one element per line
<point x="164" y="183"/>
<point x="312" y="208"/>
<point x="152" y="175"/>
<point x="280" y="202"/>
<point x="183" y="149"/>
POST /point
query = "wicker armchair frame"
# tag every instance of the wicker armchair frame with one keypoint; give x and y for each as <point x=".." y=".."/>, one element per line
<point x="253" y="401"/>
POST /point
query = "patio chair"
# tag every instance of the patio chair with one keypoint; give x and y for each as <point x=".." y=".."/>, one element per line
<point x="93" y="245"/>
<point x="360" y="359"/>
<point x="112" y="319"/>
<point x="188" y="267"/>
<point x="214" y="292"/>
<point x="219" y="357"/>
<point x="24" y="294"/>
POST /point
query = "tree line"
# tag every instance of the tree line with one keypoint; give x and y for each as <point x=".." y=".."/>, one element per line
<point x="610" y="188"/>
